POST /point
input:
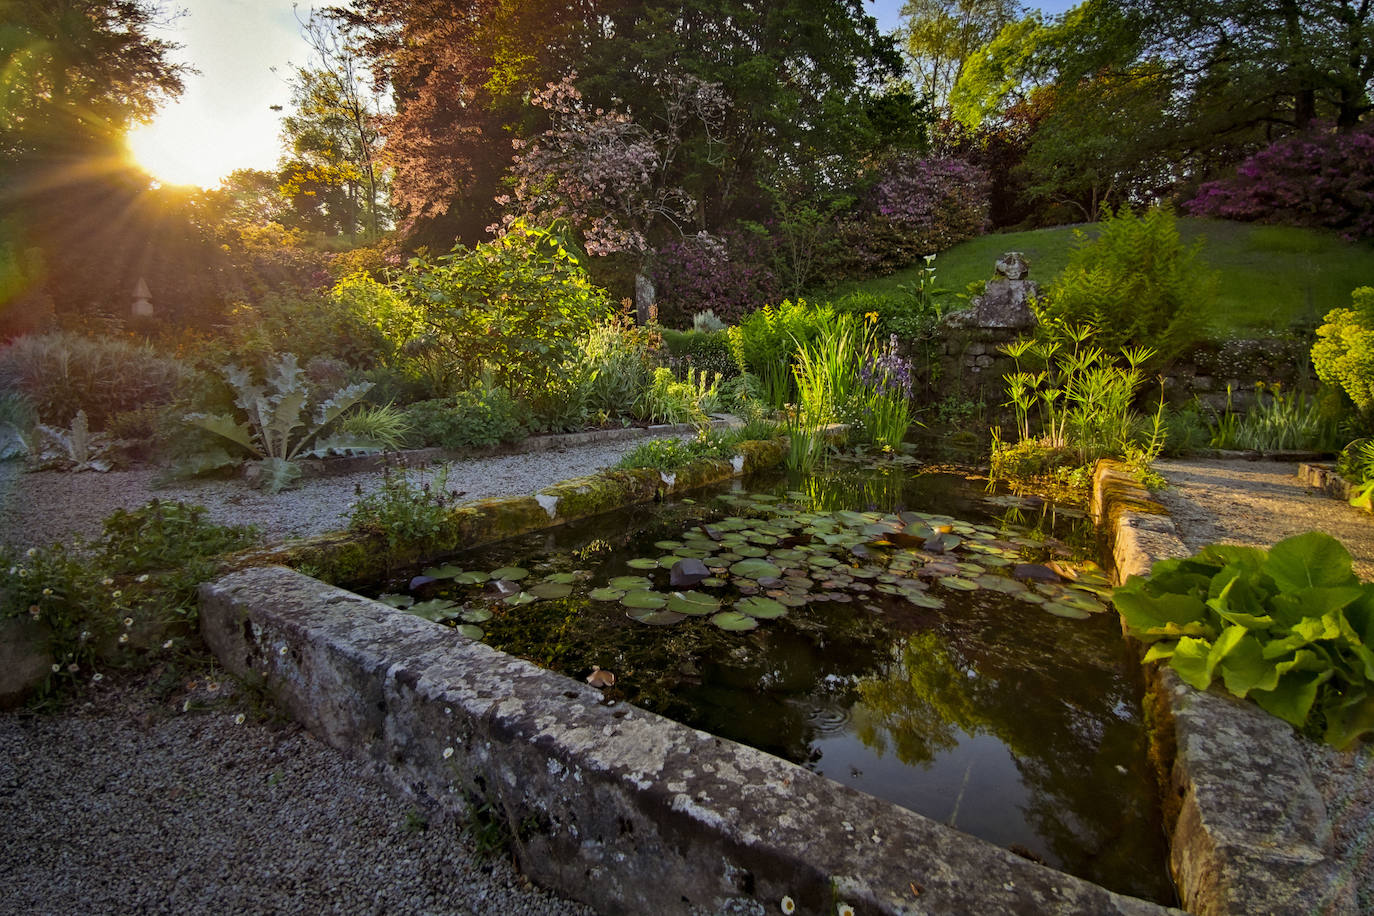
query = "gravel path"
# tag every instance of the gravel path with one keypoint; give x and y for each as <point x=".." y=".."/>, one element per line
<point x="133" y="803"/>
<point x="37" y="509"/>
<point x="1260" y="503"/>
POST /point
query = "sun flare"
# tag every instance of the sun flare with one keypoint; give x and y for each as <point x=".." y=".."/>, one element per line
<point x="177" y="152"/>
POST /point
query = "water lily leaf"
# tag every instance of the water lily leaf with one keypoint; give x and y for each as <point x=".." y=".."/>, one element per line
<point x="748" y="550"/>
<point x="654" y="617"/>
<point x="922" y="599"/>
<point x="734" y="621"/>
<point x="510" y="573"/>
<point x="441" y="572"/>
<point x="1001" y="584"/>
<point x="520" y="598"/>
<point x="787" y="555"/>
<point x="643" y="563"/>
<point x="955" y="582"/>
<point x="397" y="601"/>
<point x="640" y="599"/>
<point x="606" y="594"/>
<point x="824" y="562"/>
<point x="693" y="604"/>
<point x="754" y="569"/>
<point x="1060" y="609"/>
<point x="475" y="615"/>
<point x="668" y="545"/>
<point x="561" y="578"/>
<point x="437" y="609"/>
<point x="470" y="631"/>
<point x="793" y="599"/>
<point x="943" y="542"/>
<point x="712" y="582"/>
<point x="472" y="577"/>
<point x="760" y="607"/>
<point x="759" y="537"/>
<point x="626" y="583"/>
<point x="551" y="590"/>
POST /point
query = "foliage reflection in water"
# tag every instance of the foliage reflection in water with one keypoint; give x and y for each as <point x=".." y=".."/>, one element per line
<point x="885" y="628"/>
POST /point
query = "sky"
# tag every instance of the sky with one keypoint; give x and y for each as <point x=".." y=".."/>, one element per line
<point x="244" y="50"/>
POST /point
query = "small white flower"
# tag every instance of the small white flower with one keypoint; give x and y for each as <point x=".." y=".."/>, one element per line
<point x="789" y="905"/>
<point x="282" y="650"/>
<point x="107" y="581"/>
<point x="123" y="637"/>
<point x="23" y="573"/>
<point x="13" y="570"/>
<point x="47" y="591"/>
<point x="448" y="752"/>
<point x="97" y="678"/>
<point x="56" y="667"/>
<point x="116" y="593"/>
<point x="143" y="578"/>
<point x="240" y="719"/>
<point x="167" y="644"/>
<point x="845" y="910"/>
<point x="128" y="621"/>
<point x="85" y="635"/>
<point x="31" y="552"/>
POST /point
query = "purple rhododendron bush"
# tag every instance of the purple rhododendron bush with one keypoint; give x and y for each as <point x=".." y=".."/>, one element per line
<point x="1320" y="179"/>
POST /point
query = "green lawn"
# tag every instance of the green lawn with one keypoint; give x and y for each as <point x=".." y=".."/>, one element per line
<point x="1272" y="277"/>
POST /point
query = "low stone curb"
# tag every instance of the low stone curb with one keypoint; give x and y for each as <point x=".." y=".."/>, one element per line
<point x="1248" y="831"/>
<point x="1325" y="478"/>
<point x="419" y="457"/>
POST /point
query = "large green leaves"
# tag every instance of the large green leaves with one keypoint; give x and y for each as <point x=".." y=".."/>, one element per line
<point x="1280" y="626"/>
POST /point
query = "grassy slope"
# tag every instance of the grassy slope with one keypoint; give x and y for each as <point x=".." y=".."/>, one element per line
<point x="1272" y="277"/>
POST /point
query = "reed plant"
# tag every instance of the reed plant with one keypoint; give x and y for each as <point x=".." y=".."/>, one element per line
<point x="1278" y="421"/>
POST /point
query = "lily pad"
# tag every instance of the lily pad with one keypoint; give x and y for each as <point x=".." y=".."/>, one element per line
<point x="748" y="550"/>
<point x="668" y="545"/>
<point x="606" y="594"/>
<point x="626" y="583"/>
<point x="1062" y="609"/>
<point x="441" y="572"/>
<point x="551" y="590"/>
<point x="734" y="621"/>
<point x="470" y="631"/>
<point x="472" y="577"/>
<point x="654" y="617"/>
<point x="561" y="578"/>
<point x="436" y="609"/>
<point x="520" y="598"/>
<point x="761" y="608"/>
<point x="397" y="601"/>
<point x="476" y="615"/>
<point x="712" y="582"/>
<point x="642" y="599"/>
<point x="754" y="569"/>
<point x="693" y="604"/>
<point x="510" y="573"/>
<point x="643" y="563"/>
<point x="955" y="582"/>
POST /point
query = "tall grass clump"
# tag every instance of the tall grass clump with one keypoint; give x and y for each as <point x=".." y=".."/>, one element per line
<point x="1278" y="421"/>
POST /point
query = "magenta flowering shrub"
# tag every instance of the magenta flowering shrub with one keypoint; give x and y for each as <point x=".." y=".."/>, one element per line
<point x="1320" y="179"/>
<point x="917" y="207"/>
<point x="731" y="274"/>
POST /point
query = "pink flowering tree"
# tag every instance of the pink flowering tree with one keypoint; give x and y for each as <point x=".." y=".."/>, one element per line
<point x="608" y="174"/>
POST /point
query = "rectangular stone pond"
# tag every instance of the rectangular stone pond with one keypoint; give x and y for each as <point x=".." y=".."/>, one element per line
<point x="907" y="635"/>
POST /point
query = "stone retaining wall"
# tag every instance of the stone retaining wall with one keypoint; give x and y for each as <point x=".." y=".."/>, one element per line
<point x="1248" y="831"/>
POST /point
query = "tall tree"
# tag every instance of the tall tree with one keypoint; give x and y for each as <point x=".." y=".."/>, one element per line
<point x="940" y="35"/>
<point x="332" y="173"/>
<point x="807" y="82"/>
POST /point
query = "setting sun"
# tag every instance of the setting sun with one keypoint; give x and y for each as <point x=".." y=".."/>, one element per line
<point x="183" y="151"/>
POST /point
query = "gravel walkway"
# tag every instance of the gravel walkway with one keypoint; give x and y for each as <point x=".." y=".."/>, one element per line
<point x="142" y="801"/>
<point x="1259" y="503"/>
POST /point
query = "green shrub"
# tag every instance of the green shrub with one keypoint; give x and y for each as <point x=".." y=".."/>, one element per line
<point x="667" y="400"/>
<point x="615" y="366"/>
<point x="328" y="325"/>
<point x="1136" y="283"/>
<point x="477" y="418"/>
<point x="708" y="351"/>
<point x="518" y="307"/>
<point x="1289" y="627"/>
<point x="142" y="574"/>
<point x="671" y="454"/>
<point x="408" y="508"/>
<point x="1278" y="420"/>
<point x="61" y="373"/>
<point x="384" y="424"/>
<point x="765" y="343"/>
<point x="1344" y="352"/>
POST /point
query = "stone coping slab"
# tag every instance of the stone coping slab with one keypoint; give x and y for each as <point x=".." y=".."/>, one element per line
<point x="609" y="804"/>
<point x="1325" y="478"/>
<point x="1248" y="831"/>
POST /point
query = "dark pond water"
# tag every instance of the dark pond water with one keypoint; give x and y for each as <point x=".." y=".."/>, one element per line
<point x="893" y="642"/>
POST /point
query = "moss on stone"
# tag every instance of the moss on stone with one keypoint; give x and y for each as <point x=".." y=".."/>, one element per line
<point x="762" y="454"/>
<point x="602" y="492"/>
